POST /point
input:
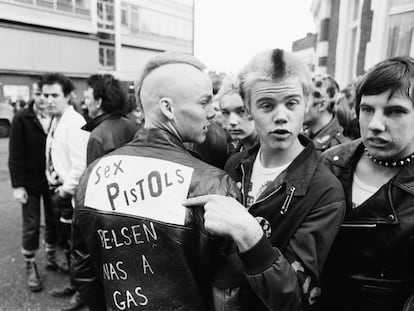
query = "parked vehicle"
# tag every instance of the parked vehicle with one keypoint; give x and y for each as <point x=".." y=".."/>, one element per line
<point x="6" y="117"/>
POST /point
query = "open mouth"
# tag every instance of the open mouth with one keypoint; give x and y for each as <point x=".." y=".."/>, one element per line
<point x="280" y="132"/>
<point x="377" y="141"/>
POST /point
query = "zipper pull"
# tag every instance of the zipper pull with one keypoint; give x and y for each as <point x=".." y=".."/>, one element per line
<point x="286" y="204"/>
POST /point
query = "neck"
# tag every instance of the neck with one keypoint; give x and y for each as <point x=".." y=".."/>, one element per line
<point x="271" y="158"/>
<point x="320" y="123"/>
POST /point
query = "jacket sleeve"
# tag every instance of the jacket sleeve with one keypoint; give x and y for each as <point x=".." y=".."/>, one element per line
<point x="16" y="153"/>
<point x="290" y="280"/>
<point x="78" y="141"/>
<point x="83" y="273"/>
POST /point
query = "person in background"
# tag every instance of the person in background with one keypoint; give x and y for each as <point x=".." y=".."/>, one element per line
<point x="236" y="119"/>
<point x="321" y="125"/>
<point x="109" y="127"/>
<point x="292" y="205"/>
<point x="371" y="263"/>
<point x="27" y="145"/>
<point x="65" y="161"/>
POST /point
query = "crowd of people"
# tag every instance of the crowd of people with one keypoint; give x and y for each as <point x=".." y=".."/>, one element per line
<point x="277" y="190"/>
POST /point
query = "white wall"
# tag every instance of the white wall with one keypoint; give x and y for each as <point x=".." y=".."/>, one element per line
<point x="31" y="51"/>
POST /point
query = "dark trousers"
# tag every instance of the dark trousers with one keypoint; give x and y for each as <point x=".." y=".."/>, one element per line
<point x="31" y="222"/>
<point x="63" y="211"/>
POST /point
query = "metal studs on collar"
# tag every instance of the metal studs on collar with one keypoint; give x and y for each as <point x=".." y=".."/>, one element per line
<point x="398" y="163"/>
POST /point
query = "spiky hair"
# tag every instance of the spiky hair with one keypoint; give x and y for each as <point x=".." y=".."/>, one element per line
<point x="230" y="85"/>
<point x="274" y="65"/>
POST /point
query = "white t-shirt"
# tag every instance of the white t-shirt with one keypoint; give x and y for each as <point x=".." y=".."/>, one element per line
<point x="361" y="191"/>
<point x="261" y="177"/>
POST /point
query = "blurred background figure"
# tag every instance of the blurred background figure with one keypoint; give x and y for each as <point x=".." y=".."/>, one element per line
<point x="133" y="112"/>
<point x="345" y="112"/>
<point x="109" y="127"/>
<point x="65" y="162"/>
<point x="27" y="161"/>
<point x="236" y="119"/>
<point x="320" y="123"/>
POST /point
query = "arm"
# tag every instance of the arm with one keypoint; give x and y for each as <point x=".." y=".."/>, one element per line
<point x="286" y="281"/>
<point x="291" y="280"/>
<point x="83" y="272"/>
<point x="77" y="140"/>
<point x="16" y="153"/>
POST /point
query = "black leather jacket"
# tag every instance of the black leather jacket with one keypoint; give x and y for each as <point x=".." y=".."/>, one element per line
<point x="300" y="212"/>
<point x="371" y="265"/>
<point x="129" y="260"/>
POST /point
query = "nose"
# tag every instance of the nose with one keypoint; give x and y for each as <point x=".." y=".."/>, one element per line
<point x="280" y="116"/>
<point x="210" y="112"/>
<point x="376" y="123"/>
<point x="233" y="119"/>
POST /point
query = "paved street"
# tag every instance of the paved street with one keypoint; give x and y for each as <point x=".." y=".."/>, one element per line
<point x="13" y="293"/>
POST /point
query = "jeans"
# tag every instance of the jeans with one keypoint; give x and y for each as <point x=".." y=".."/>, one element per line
<point x="31" y="222"/>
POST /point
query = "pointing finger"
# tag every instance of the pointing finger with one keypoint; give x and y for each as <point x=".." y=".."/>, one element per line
<point x="200" y="200"/>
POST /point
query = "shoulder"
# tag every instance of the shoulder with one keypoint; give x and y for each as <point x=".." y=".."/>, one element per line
<point x="234" y="161"/>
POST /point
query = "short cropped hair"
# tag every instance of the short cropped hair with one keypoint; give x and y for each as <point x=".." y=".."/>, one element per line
<point x="52" y="78"/>
<point x="230" y="85"/>
<point x="109" y="90"/>
<point x="162" y="59"/>
<point x="325" y="88"/>
<point x="394" y="74"/>
<point x="274" y="65"/>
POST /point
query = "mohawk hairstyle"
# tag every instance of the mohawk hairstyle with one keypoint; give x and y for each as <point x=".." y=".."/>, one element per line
<point x="274" y="65"/>
<point x="162" y="59"/>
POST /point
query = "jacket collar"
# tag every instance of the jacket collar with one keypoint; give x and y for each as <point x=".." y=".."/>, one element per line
<point x="350" y="154"/>
<point x="298" y="174"/>
<point x="31" y="114"/>
<point x="92" y="124"/>
<point x="159" y="137"/>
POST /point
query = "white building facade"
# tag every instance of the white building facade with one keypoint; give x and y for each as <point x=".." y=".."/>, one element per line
<point x="82" y="37"/>
<point x="354" y="35"/>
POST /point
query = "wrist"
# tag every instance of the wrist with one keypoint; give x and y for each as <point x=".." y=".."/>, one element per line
<point x="247" y="234"/>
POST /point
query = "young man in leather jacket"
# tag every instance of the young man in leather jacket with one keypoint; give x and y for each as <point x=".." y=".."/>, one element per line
<point x="292" y="205"/>
<point x="371" y="263"/>
<point x="134" y="244"/>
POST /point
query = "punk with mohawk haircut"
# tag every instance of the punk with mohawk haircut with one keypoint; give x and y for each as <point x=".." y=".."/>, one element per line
<point x="292" y="206"/>
<point x="274" y="65"/>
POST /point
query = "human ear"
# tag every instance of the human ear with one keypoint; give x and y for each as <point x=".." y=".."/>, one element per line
<point x="99" y="103"/>
<point x="166" y="107"/>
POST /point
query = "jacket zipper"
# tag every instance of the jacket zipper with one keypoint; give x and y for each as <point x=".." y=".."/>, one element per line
<point x="288" y="199"/>
<point x="242" y="185"/>
<point x="285" y="205"/>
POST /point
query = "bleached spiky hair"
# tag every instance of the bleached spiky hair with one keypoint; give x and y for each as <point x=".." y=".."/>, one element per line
<point x="230" y="85"/>
<point x="274" y="65"/>
<point x="162" y="59"/>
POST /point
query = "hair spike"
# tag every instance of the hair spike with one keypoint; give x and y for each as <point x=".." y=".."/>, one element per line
<point x="279" y="64"/>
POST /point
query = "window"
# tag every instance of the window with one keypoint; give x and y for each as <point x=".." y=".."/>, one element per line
<point x="400" y="34"/>
<point x="107" y="57"/>
<point x="142" y="20"/>
<point x="353" y="43"/>
<point x="81" y="7"/>
<point x="105" y="14"/>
